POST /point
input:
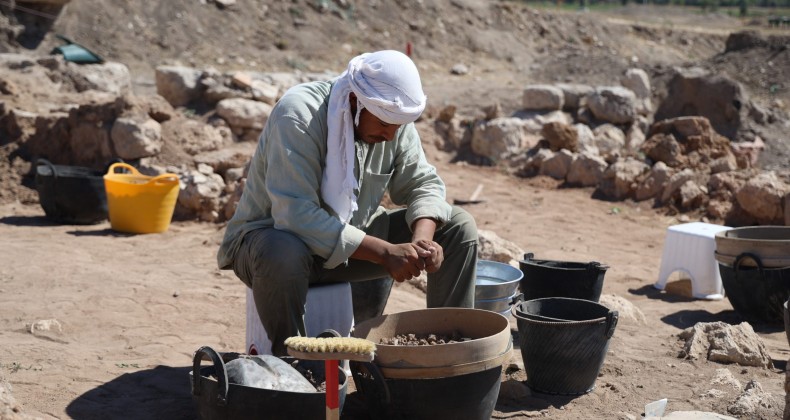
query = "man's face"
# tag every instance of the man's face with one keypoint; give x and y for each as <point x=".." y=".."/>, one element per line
<point x="372" y="130"/>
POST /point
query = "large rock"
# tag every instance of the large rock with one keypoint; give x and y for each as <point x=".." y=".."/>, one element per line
<point x="696" y="92"/>
<point x="558" y="165"/>
<point x="105" y="77"/>
<point x="638" y="82"/>
<point x="193" y="137"/>
<point x="686" y="142"/>
<point x="763" y="196"/>
<point x="610" y="141"/>
<point x="500" y="137"/>
<point x="655" y="182"/>
<point x="199" y="197"/>
<point x="495" y="248"/>
<point x="620" y="179"/>
<point x="573" y="94"/>
<point x="244" y="114"/>
<point x="724" y="343"/>
<point x="135" y="138"/>
<point x="542" y="98"/>
<point x="614" y="104"/>
<point x="586" y="170"/>
<point x="560" y="136"/>
<point x="179" y="85"/>
<point x="89" y="129"/>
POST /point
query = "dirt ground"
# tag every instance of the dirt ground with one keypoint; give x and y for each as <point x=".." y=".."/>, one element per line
<point x="134" y="308"/>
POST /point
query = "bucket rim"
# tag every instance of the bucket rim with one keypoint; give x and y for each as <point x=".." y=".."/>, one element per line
<point x="501" y="267"/>
<point x="521" y="315"/>
<point x="341" y="373"/>
<point x="575" y="265"/>
<point x="731" y="234"/>
<point x="448" y="371"/>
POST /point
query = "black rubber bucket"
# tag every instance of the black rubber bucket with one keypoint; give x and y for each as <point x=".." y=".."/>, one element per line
<point x="563" y="343"/>
<point x="757" y="293"/>
<point x="71" y="194"/>
<point x="217" y="399"/>
<point x="548" y="278"/>
<point x="470" y="396"/>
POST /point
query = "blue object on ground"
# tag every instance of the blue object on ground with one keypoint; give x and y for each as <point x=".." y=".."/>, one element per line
<point x="76" y="53"/>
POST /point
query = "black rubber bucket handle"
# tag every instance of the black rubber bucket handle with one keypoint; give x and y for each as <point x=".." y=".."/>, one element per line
<point x="44" y="162"/>
<point x="611" y="322"/>
<point x="219" y="370"/>
<point x="736" y="265"/>
<point x="516" y="299"/>
<point x="378" y="377"/>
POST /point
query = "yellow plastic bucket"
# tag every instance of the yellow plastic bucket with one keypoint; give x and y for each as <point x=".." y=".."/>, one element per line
<point x="137" y="203"/>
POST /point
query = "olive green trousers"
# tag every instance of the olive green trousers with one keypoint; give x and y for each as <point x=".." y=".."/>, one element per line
<point x="279" y="268"/>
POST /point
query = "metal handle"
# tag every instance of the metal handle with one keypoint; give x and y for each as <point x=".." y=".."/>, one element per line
<point x="611" y="322"/>
<point x="219" y="370"/>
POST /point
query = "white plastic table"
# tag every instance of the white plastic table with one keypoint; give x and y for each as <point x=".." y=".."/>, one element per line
<point x="690" y="248"/>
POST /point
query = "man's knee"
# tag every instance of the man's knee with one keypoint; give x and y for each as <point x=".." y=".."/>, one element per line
<point x="274" y="255"/>
<point x="463" y="224"/>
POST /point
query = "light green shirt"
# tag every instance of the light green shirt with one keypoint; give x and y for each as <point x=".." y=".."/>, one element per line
<point x="284" y="181"/>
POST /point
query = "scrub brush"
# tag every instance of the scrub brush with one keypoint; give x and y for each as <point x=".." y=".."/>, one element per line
<point x="330" y="350"/>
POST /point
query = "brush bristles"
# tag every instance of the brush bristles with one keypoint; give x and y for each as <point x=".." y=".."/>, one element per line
<point x="331" y="345"/>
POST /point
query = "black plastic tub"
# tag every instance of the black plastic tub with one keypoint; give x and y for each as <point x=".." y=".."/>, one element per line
<point x="71" y="194"/>
<point x="550" y="278"/>
<point x="216" y="399"/>
<point x="563" y="343"/>
<point x="756" y="293"/>
<point x="470" y="396"/>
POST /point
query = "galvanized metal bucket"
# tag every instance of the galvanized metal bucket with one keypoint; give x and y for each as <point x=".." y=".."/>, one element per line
<point x="496" y="286"/>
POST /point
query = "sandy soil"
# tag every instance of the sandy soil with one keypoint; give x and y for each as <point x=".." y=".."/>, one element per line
<point x="134" y="308"/>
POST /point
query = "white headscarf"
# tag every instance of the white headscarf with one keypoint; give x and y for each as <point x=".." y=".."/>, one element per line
<point x="388" y="85"/>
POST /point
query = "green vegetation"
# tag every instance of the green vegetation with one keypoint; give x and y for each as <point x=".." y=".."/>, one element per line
<point x="736" y="8"/>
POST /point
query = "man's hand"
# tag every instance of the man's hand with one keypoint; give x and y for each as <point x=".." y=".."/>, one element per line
<point x="435" y="254"/>
<point x="422" y="238"/>
<point x="404" y="261"/>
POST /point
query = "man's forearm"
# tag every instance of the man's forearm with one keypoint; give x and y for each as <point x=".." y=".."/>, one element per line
<point x="371" y="249"/>
<point x="423" y="229"/>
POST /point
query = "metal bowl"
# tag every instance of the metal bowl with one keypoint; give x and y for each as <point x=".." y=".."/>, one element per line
<point x="496" y="280"/>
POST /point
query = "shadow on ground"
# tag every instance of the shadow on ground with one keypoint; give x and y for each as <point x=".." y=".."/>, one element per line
<point x="27" y="221"/>
<point x="161" y="392"/>
<point x="675" y="292"/>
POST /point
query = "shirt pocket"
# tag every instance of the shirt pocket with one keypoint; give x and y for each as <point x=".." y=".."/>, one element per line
<point x="370" y="195"/>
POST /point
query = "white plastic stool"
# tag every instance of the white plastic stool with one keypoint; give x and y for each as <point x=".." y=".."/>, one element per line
<point x="328" y="306"/>
<point x="689" y="247"/>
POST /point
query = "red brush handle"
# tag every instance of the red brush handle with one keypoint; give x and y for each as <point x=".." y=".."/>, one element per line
<point x="332" y="385"/>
